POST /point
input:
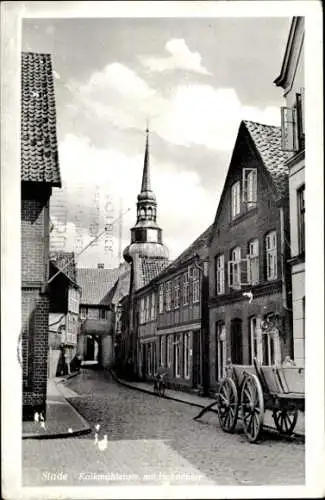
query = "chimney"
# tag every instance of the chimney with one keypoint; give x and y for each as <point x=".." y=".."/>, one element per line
<point x="100" y="266"/>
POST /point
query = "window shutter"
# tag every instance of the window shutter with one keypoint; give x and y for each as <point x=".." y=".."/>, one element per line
<point x="288" y="129"/>
<point x="230" y="273"/>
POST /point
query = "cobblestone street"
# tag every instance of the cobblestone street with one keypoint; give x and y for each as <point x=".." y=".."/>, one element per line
<point x="154" y="440"/>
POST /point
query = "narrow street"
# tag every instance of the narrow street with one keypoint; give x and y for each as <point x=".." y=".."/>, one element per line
<point x="153" y="440"/>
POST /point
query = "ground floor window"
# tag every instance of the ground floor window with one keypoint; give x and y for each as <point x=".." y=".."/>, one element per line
<point x="162" y="350"/>
<point x="177" y="355"/>
<point x="169" y="350"/>
<point x="268" y="339"/>
<point x="220" y="349"/>
<point x="187" y="351"/>
<point x="149" y="359"/>
<point x="155" y="360"/>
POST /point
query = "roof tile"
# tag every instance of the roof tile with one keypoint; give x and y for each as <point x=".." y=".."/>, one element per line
<point x="267" y="139"/>
<point x="96" y="284"/>
<point x="39" y="151"/>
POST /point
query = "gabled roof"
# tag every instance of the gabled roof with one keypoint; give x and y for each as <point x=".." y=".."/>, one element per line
<point x="96" y="285"/>
<point x="39" y="149"/>
<point x="147" y="268"/>
<point x="54" y="268"/>
<point x="66" y="262"/>
<point x="198" y="247"/>
<point x="267" y="140"/>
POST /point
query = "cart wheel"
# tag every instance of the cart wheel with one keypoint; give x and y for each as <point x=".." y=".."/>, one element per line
<point x="252" y="407"/>
<point x="228" y="405"/>
<point x="285" y="420"/>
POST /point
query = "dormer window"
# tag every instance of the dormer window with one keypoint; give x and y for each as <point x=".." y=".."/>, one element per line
<point x="235" y="199"/>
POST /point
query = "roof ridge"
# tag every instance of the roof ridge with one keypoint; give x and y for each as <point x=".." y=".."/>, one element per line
<point x="262" y="124"/>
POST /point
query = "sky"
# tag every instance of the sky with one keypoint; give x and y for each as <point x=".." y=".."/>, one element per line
<point x="192" y="79"/>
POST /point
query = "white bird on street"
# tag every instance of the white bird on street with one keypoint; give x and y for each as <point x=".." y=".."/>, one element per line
<point x="102" y="445"/>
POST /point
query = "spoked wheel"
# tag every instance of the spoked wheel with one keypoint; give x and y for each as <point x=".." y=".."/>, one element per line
<point x="228" y="405"/>
<point x="285" y="420"/>
<point x="252" y="407"/>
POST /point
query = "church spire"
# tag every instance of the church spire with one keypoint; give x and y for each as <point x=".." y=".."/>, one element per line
<point x="146" y="235"/>
<point x="146" y="185"/>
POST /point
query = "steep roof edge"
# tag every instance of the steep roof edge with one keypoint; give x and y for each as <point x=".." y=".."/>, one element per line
<point x="279" y="81"/>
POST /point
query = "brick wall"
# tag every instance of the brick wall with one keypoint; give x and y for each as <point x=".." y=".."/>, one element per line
<point x="35" y="304"/>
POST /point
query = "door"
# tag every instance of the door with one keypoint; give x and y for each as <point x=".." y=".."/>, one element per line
<point x="196" y="358"/>
<point x="236" y="342"/>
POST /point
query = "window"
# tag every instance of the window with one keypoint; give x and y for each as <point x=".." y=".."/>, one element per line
<point x="176" y="294"/>
<point x="142" y="313"/>
<point x="162" y="350"/>
<point x="186" y="355"/>
<point x="252" y="339"/>
<point x="250" y="187"/>
<point x="253" y="262"/>
<point x="153" y="306"/>
<point x="83" y="312"/>
<point x="102" y="314"/>
<point x="169" y="350"/>
<point x="293" y="124"/>
<point x="149" y="359"/>
<point x="235" y="199"/>
<point x="267" y="342"/>
<point x="220" y="349"/>
<point x="271" y="256"/>
<point x="196" y="285"/>
<point x="234" y="269"/>
<point x="301" y="219"/>
<point x="220" y="274"/>
<point x="177" y="355"/>
<point x="168" y="296"/>
<point x="147" y="309"/>
<point x="161" y="299"/>
<point x="185" y="289"/>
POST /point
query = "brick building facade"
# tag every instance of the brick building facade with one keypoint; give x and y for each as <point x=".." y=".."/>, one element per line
<point x="39" y="173"/>
<point x="172" y="320"/>
<point x="249" y="282"/>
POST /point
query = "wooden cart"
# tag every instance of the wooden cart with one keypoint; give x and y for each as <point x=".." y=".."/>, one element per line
<point x="247" y="391"/>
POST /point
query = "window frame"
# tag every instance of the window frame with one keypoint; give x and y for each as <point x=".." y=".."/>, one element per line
<point x="186" y="290"/>
<point x="168" y="296"/>
<point x="253" y="349"/>
<point x="161" y="299"/>
<point x="221" y="349"/>
<point x="187" y="354"/>
<point x="254" y="261"/>
<point x="177" y="358"/>
<point x="235" y="199"/>
<point x="177" y="293"/>
<point x="220" y="274"/>
<point x="271" y="255"/>
<point x="169" y="344"/>
<point x="196" y="285"/>
<point x="162" y="347"/>
<point x="235" y="260"/>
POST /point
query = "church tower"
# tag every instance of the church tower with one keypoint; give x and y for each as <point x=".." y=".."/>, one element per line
<point x="146" y="235"/>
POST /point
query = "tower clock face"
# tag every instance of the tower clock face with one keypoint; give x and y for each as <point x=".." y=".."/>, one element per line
<point x="152" y="235"/>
